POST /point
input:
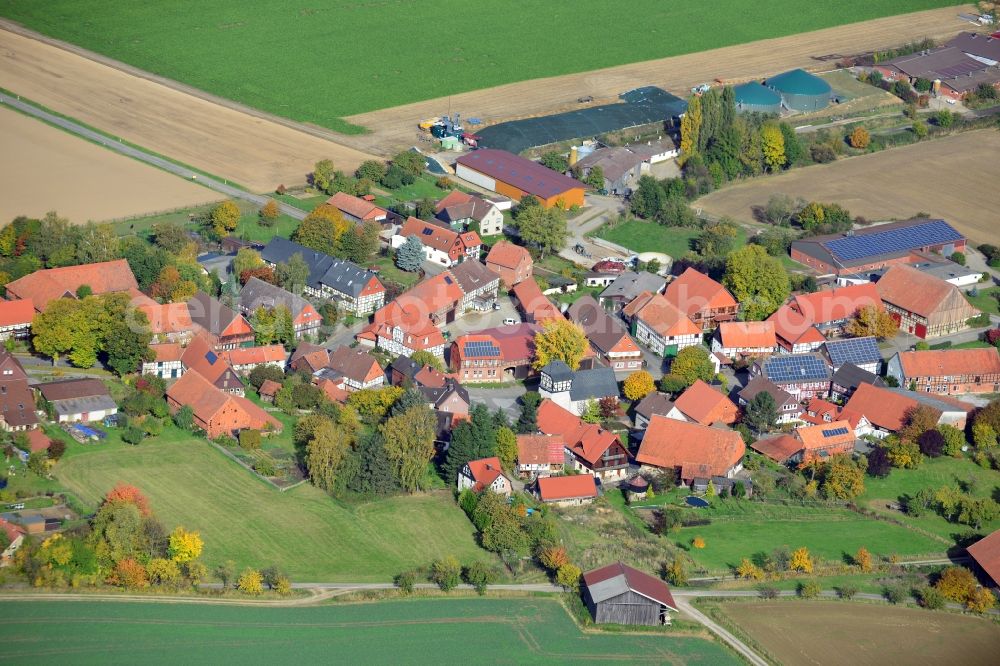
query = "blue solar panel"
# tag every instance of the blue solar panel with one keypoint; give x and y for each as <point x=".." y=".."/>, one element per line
<point x="859" y="351"/>
<point x="833" y="432"/>
<point x="893" y="240"/>
<point x="211" y="358"/>
<point x="482" y="349"/>
<point x="796" y="367"/>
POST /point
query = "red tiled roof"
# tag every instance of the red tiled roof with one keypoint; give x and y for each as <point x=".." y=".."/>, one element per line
<point x="555" y="488"/>
<point x="941" y="362"/>
<point x="166" y="352"/>
<point x="485" y="471"/>
<point x="429" y="377"/>
<point x="167" y="318"/>
<point x="820" y="408"/>
<point x="200" y="357"/>
<point x="256" y="355"/>
<point x="534" y="302"/>
<point x="693" y="291"/>
<point x="706" y="405"/>
<point x="794" y="328"/>
<point x="921" y="293"/>
<point x="436" y="294"/>
<point x="986" y="553"/>
<point x="332" y="390"/>
<point x="589" y="441"/>
<point x="409" y="315"/>
<point x="779" y="448"/>
<point x="820" y="436"/>
<point x="453" y="198"/>
<point x="52" y="283"/>
<point x="269" y="387"/>
<point x="16" y="312"/>
<point x="540" y="449"/>
<point x="672" y="443"/>
<point x="747" y="334"/>
<point x="11" y="530"/>
<point x="508" y="255"/>
<point x="637" y="581"/>
<point x="661" y="315"/>
<point x="355" y="207"/>
<point x="515" y="342"/>
<point x="429" y="234"/>
<point x="883" y="408"/>
<point x="834" y="304"/>
<point x="193" y="390"/>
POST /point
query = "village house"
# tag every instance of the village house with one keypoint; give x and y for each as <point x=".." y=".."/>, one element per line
<point x="794" y="332"/>
<point x="926" y="306"/>
<point x="168" y="322"/>
<point x="201" y="358"/>
<point x="739" y="339"/>
<point x="654" y="403"/>
<point x="573" y="490"/>
<point x="574" y="390"/>
<point x="515" y="177"/>
<point x="360" y="369"/>
<point x="479" y="287"/>
<point x="357" y="209"/>
<point x="830" y="310"/>
<point x="619" y="594"/>
<point x="484" y="474"/>
<point x="628" y="286"/>
<point x="540" y="455"/>
<point x="355" y="289"/>
<point x="403" y="327"/>
<point x="218" y="412"/>
<point x="700" y="403"/>
<point x="532" y="303"/>
<point x="244" y="359"/>
<point x="74" y="400"/>
<point x="848" y="378"/>
<point x="458" y="210"/>
<point x="621" y="166"/>
<point x="46" y="285"/>
<point x="660" y="325"/>
<point x="166" y="361"/>
<point x="824" y="440"/>
<point x="692" y="450"/>
<point x="268" y="391"/>
<point x="17" y="402"/>
<point x="949" y="371"/>
<point x="861" y="352"/>
<point x="607" y="335"/>
<point x="15" y="537"/>
<point x="502" y="354"/>
<point x="802" y="375"/>
<point x="511" y="262"/>
<point x="592" y="449"/>
<point x="441" y="244"/>
<point x="258" y="294"/>
<point x="820" y="412"/>
<point x="227" y="328"/>
<point x="308" y="357"/>
<point x="957" y="68"/>
<point x="878" y="411"/>
<point x="788" y="407"/>
<point x="15" y="319"/>
<point x="702" y="299"/>
<point x="333" y="386"/>
<point x="878" y="246"/>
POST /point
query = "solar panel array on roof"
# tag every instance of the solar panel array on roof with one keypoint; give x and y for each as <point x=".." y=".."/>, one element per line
<point x="859" y="351"/>
<point x="481" y="349"/>
<point x="795" y="367"/>
<point x="211" y="357"/>
<point x="900" y="239"/>
<point x="833" y="432"/>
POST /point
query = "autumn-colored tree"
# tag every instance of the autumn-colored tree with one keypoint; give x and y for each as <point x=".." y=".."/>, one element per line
<point x="321" y="229"/>
<point x="283" y="586"/>
<point x="918" y="420"/>
<point x="128" y="573"/>
<point x="184" y="545"/>
<point x="980" y="600"/>
<point x="863" y="559"/>
<point x="446" y="572"/>
<point x="675" y="573"/>
<point x="409" y="444"/>
<point x="246" y="259"/>
<point x="638" y="385"/>
<point x="956" y="583"/>
<point x="225" y="217"/>
<point x="984" y="436"/>
<point x="698" y="542"/>
<point x="691" y="364"/>
<point x="872" y="320"/>
<point x="568" y="576"/>
<point x="372" y="404"/>
<point x="842" y="478"/>
<point x="166" y="283"/>
<point x="801" y="560"/>
<point x="747" y="570"/>
<point x="127" y="494"/>
<point x="860" y="138"/>
<point x="553" y="557"/>
<point x="250" y="582"/>
<point x="903" y="453"/>
<point x="773" y="145"/>
<point x="506" y="447"/>
<point x="691" y="127"/>
<point x="163" y="572"/>
<point x="560" y="340"/>
<point x="269" y="213"/>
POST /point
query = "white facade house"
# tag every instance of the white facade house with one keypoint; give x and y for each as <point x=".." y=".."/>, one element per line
<point x="659" y="344"/>
<point x="163" y="369"/>
<point x="484" y="474"/>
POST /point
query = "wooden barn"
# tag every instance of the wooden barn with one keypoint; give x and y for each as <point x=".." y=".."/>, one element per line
<point x="619" y="594"/>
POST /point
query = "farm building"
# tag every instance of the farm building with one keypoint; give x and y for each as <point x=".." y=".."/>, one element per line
<point x="502" y="354"/>
<point x="226" y="328"/>
<point x="514" y="177"/>
<point x="532" y="303"/>
<point x="789" y="408"/>
<point x="986" y="554"/>
<point x="573" y="390"/>
<point x="862" y="352"/>
<point x="15" y="318"/>
<point x="957" y="68"/>
<point x="459" y="210"/>
<point x="922" y="304"/>
<point x="619" y="594"/>
<point x="745" y="338"/>
<point x="754" y="96"/>
<point x="693" y="450"/>
<point x="17" y="403"/>
<point x="848" y="378"/>
<point x="702" y="299"/>
<point x="217" y="412"/>
<point x="641" y="106"/>
<point x="803" y="375"/>
<point x="356" y="209"/>
<point x="622" y="165"/>
<point x="628" y="286"/>
<point x="795" y="332"/>
<point x="700" y="403"/>
<point x="878" y="247"/>
<point x="483" y="474"/>
<point x="74" y="400"/>
<point x="660" y="325"/>
<point x="46" y="285"/>
<point x="200" y="357"/>
<point x="567" y="490"/>
<point x="947" y="370"/>
<point x="441" y="244"/>
<point x="511" y="262"/>
<point x="539" y="454"/>
<point x="800" y="90"/>
<point x="830" y="310"/>
<point x="166" y="361"/>
<point x="359" y="369"/>
<point x="654" y="403"/>
<point x="259" y="294"/>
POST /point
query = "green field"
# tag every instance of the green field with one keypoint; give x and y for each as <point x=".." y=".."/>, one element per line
<point x="321" y="62"/>
<point x="642" y="236"/>
<point x="419" y="631"/>
<point x="304" y="531"/>
<point x="986" y="299"/>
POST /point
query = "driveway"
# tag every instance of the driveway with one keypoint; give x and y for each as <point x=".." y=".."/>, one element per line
<point x="499" y="398"/>
<point x="599" y="210"/>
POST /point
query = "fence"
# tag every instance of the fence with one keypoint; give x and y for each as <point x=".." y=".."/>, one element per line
<point x="155" y="213"/>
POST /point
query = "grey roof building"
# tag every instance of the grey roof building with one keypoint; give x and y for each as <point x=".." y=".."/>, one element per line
<point x="259" y="294"/>
<point x="619" y="594"/>
<point x="849" y="377"/>
<point x="654" y="404"/>
<point x="565" y="385"/>
<point x="607" y="334"/>
<point x="78" y="399"/>
<point x="629" y="285"/>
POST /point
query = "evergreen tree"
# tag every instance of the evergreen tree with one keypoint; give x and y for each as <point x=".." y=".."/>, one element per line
<point x="410" y="255"/>
<point x="470" y="440"/>
<point x="375" y="474"/>
<point x="528" y="421"/>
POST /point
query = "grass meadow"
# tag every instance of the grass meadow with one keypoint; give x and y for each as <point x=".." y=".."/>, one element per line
<point x="319" y="63"/>
<point x="417" y="631"/>
<point x="642" y="236"/>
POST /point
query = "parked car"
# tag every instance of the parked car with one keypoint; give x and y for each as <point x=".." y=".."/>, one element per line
<point x="509" y="321"/>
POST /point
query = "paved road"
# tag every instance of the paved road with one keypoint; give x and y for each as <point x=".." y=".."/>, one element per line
<point x="222" y="187"/>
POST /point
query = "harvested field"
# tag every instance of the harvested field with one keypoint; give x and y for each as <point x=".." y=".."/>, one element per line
<point x="254" y="152"/>
<point x="953" y="178"/>
<point x="855" y="634"/>
<point x="394" y="127"/>
<point x="45" y="169"/>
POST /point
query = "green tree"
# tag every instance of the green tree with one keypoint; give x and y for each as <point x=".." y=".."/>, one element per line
<point x="479" y="575"/>
<point x="325" y="452"/>
<point x="920" y="129"/>
<point x="504" y="534"/>
<point x="717" y="238"/>
<point x="691" y="364"/>
<point x="410" y="255"/>
<point x="773" y="145"/>
<point x="544" y="228"/>
<point x="372" y="170"/>
<point x="409" y="161"/>
<point x="472" y="439"/>
<point x="954" y="440"/>
<point x="761" y="412"/>
<point x="184" y="418"/>
<point x="293" y="275"/>
<point x="595" y="178"/>
<point x="560" y="340"/>
<point x="556" y="161"/>
<point x="422" y="358"/>
<point x="97" y="243"/>
<point x="527" y="421"/>
<point x="225" y="217"/>
<point x="360" y="243"/>
<point x="246" y="259"/>
<point x="793" y="147"/>
<point x="322" y="175"/>
<point x="409" y="444"/>
<point x="446" y="573"/>
<point x="758" y="281"/>
<point x="506" y="447"/>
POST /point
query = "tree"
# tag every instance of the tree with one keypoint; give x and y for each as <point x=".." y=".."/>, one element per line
<point x="920" y="129"/>
<point x="129" y="574"/>
<point x="544" y="228"/>
<point x="423" y="357"/>
<point x="984" y="436"/>
<point x="779" y="210"/>
<point x="553" y="557"/>
<point x="691" y="127"/>
<point x="758" y="281"/>
<point x="360" y="243"/>
<point x="953" y="440"/>
<point x="321" y="229"/>
<point x="293" y="275"/>
<point x="956" y="584"/>
<point x="638" y="385"/>
<point x="980" y="600"/>
<point x="568" y="576"/>
<point x="527" y="421"/>
<point x="506" y="447"/>
<point x="560" y="340"/>
<point x="372" y="170"/>
<point x="747" y="570"/>
<point x="872" y="320"/>
<point x="409" y="161"/>
<point x="691" y="364"/>
<point x="773" y="144"/>
<point x="556" y="161"/>
<point x="859" y="138"/>
<point x="595" y="178"/>
<point x="842" y="479"/>
<point x="717" y="239"/>
<point x="409" y="444"/>
<point x="269" y="213"/>
<point x="903" y="453"/>
<point x="793" y="147"/>
<point x="918" y="420"/>
<point x="472" y="439"/>
<point x="504" y="533"/>
<point x="225" y="572"/>
<point x="761" y="412"/>
<point x="322" y="175"/>
<point x="931" y="443"/>
<point x="127" y="494"/>
<point x="97" y="243"/>
<point x="801" y="560"/>
<point x="225" y="217"/>
<point x="250" y="582"/>
<point x="405" y="581"/>
<point x="246" y="259"/>
<point x="446" y="572"/>
<point x="410" y="255"/>
<point x="879" y="463"/>
<point x="591" y="412"/>
<point x="184" y="545"/>
<point x="479" y="575"/>
<point x="375" y="474"/>
<point x="863" y="559"/>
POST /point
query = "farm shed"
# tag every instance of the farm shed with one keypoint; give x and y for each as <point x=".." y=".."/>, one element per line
<point x="754" y="96"/>
<point x="800" y="90"/>
<point x="619" y="594"/>
<point x="516" y="177"/>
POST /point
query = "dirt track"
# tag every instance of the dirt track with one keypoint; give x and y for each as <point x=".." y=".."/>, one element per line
<point x="44" y="168"/>
<point x="253" y="152"/>
<point x="396" y="127"/>
<point x="953" y="178"/>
